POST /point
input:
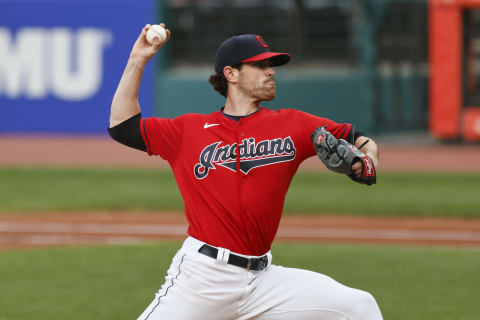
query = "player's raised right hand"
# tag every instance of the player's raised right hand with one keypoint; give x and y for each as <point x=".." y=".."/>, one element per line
<point x="143" y="51"/>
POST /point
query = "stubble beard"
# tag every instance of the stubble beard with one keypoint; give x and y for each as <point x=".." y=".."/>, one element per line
<point x="267" y="92"/>
<point x="270" y="94"/>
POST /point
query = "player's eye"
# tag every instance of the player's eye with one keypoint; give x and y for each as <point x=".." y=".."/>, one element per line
<point x="263" y="64"/>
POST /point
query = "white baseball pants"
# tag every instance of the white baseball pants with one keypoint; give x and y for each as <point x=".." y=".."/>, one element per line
<point x="198" y="287"/>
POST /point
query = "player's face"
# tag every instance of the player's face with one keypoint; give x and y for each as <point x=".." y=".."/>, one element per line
<point x="257" y="80"/>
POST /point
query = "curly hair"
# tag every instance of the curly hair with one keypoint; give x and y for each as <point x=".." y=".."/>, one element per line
<point x="220" y="83"/>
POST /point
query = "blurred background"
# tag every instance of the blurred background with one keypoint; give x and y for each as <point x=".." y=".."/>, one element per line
<point x="388" y="66"/>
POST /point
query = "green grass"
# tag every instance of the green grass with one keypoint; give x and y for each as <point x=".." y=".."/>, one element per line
<point x="118" y="282"/>
<point x="396" y="194"/>
<point x="96" y="189"/>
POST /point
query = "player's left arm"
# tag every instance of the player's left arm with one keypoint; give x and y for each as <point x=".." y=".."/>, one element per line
<point x="368" y="147"/>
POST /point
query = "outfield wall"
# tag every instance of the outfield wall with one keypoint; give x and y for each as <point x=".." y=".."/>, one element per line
<point x="350" y="98"/>
<point x="59" y="71"/>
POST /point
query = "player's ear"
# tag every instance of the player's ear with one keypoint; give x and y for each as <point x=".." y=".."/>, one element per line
<point x="230" y="73"/>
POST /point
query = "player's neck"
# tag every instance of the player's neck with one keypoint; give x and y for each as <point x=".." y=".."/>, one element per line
<point x="240" y="107"/>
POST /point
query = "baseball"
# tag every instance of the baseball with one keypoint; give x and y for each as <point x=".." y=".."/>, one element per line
<point x="156" y="31"/>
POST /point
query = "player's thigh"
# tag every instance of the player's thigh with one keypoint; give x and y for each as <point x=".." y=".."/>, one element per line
<point x="169" y="301"/>
<point x="185" y="303"/>
<point x="194" y="290"/>
<point x="288" y="293"/>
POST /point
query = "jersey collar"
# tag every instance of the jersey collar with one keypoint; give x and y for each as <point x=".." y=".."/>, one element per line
<point x="227" y="121"/>
<point x="237" y="118"/>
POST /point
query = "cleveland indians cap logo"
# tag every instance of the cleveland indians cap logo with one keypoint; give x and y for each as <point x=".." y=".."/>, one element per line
<point x="262" y="42"/>
<point x="252" y="155"/>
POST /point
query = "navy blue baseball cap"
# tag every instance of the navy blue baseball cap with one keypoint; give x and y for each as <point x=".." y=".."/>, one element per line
<point x="246" y="48"/>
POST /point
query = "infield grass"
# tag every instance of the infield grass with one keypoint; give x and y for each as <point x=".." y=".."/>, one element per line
<point x="118" y="282"/>
<point x="396" y="194"/>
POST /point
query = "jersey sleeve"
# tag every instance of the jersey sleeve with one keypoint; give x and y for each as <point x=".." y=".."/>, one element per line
<point x="308" y="123"/>
<point x="163" y="136"/>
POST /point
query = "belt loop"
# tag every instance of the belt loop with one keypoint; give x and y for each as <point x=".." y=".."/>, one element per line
<point x="223" y="255"/>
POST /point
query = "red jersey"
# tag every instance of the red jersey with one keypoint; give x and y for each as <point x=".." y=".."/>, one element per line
<point x="235" y="202"/>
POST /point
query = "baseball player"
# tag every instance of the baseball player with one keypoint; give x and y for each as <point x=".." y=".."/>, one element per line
<point x="233" y="168"/>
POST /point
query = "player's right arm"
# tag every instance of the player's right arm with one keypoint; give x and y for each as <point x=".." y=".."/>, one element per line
<point x="125" y="101"/>
<point x="125" y="113"/>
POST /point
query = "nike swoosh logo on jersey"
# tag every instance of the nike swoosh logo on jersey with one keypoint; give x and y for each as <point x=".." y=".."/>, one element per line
<point x="208" y="125"/>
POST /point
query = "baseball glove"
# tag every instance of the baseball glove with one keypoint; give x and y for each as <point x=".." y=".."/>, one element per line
<point x="338" y="155"/>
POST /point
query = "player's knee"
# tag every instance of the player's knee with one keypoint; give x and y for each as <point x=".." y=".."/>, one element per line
<point x="366" y="307"/>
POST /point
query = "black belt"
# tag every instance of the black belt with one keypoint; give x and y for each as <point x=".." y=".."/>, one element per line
<point x="256" y="264"/>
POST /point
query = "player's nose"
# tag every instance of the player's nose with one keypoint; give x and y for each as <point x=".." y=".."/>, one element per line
<point x="270" y="72"/>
